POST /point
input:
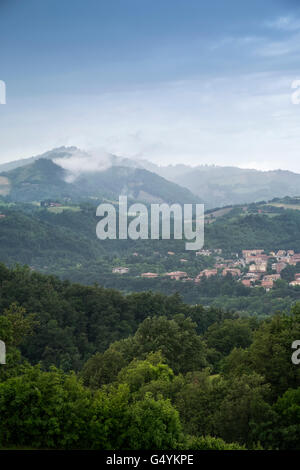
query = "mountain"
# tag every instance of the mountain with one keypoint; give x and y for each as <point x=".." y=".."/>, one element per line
<point x="61" y="152"/>
<point x="222" y="186"/>
<point x="110" y="175"/>
<point x="44" y="179"/>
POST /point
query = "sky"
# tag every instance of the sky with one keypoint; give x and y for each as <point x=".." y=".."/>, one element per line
<point x="171" y="81"/>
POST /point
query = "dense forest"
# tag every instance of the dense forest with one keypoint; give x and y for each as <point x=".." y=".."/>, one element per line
<point x="91" y="368"/>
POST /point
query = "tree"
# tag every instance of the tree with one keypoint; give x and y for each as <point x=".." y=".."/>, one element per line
<point x="153" y="424"/>
<point x="210" y="443"/>
<point x="45" y="410"/>
<point x="102" y="368"/>
<point x="177" y="339"/>
<point x="285" y="431"/>
<point x="243" y="407"/>
<point x="140" y="373"/>
<point x="223" y="337"/>
<point x="270" y="353"/>
<point x="15" y="326"/>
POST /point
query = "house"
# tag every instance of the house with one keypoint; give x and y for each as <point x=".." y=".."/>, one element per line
<point x="267" y="284"/>
<point x="233" y="271"/>
<point x="295" y="283"/>
<point x="177" y="275"/>
<point x="248" y="253"/>
<point x="253" y="276"/>
<point x="258" y="268"/>
<point x="149" y="275"/>
<point x="271" y="277"/>
<point x="278" y="267"/>
<point x="280" y="253"/>
<point x="48" y="203"/>
<point x="247" y="282"/>
<point x="207" y="273"/>
<point x="256" y="259"/>
<point x="203" y="253"/>
<point x="120" y="270"/>
<point x="295" y="259"/>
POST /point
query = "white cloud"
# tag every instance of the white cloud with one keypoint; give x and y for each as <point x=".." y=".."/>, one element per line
<point x="284" y="23"/>
<point x="82" y="162"/>
<point x="280" y="48"/>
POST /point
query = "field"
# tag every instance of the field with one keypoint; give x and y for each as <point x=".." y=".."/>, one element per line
<point x="60" y="209"/>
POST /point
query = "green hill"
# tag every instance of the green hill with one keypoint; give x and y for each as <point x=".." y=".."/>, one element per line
<point x="43" y="179"/>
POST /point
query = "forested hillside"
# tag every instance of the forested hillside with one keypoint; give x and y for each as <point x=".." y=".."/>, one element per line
<point x="64" y="243"/>
<point x="27" y="225"/>
<point x="44" y="179"/>
<point x="150" y="371"/>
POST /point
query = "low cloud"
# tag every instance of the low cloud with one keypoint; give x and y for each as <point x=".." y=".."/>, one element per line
<point x="79" y="163"/>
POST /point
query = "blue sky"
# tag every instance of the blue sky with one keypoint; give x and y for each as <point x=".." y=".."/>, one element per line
<point x="170" y="81"/>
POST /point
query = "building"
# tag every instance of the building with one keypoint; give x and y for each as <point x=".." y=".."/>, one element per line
<point x="247" y="282"/>
<point x="203" y="253"/>
<point x="256" y="259"/>
<point x="253" y="276"/>
<point x="177" y="275"/>
<point x="267" y="284"/>
<point x="278" y="267"/>
<point x="258" y="268"/>
<point x="271" y="277"/>
<point x="233" y="271"/>
<point x="249" y="253"/>
<point x="120" y="270"/>
<point x="207" y="273"/>
<point x="149" y="275"/>
<point x="280" y="253"/>
<point x="295" y="259"/>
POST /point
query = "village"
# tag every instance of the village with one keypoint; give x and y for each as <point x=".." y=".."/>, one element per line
<point x="253" y="268"/>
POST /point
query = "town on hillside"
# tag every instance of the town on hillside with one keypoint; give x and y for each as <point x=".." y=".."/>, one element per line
<point x="253" y="268"/>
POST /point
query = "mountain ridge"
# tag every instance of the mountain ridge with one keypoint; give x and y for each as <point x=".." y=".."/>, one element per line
<point x="44" y="179"/>
<point x="214" y="185"/>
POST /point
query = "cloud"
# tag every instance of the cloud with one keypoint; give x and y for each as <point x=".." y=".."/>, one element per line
<point x="82" y="162"/>
<point x="284" y="23"/>
<point x="280" y="48"/>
